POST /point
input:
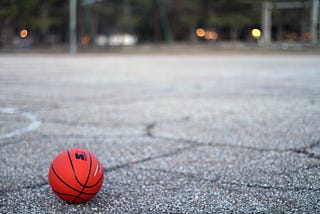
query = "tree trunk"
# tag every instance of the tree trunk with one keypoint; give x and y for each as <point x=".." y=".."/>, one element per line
<point x="234" y="34"/>
<point x="6" y="35"/>
<point x="44" y="28"/>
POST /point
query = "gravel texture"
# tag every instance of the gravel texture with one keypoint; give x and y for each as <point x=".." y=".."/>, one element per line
<point x="175" y="134"/>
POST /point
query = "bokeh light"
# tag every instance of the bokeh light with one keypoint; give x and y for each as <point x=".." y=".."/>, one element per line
<point x="85" y="39"/>
<point x="23" y="33"/>
<point x="256" y="33"/>
<point x="200" y="32"/>
<point x="211" y="35"/>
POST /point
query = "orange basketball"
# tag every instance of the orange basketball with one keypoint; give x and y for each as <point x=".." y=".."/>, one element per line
<point x="76" y="175"/>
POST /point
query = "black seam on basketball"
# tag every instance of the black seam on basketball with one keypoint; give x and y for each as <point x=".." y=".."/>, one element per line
<point x="74" y="171"/>
<point x="71" y="194"/>
<point x="96" y="182"/>
<point x="59" y="193"/>
<point x="99" y="178"/>
<point x="65" y="183"/>
<point x="86" y="180"/>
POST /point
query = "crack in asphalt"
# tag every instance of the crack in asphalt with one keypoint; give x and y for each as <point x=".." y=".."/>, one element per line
<point x="128" y="164"/>
<point x="149" y="128"/>
<point x="302" y="150"/>
<point x="92" y="138"/>
<point x="193" y="144"/>
<point x="196" y="144"/>
<point x="33" y="186"/>
<point x="220" y="181"/>
<point x="261" y="186"/>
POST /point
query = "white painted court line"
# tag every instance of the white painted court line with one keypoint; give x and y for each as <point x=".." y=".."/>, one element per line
<point x="34" y="123"/>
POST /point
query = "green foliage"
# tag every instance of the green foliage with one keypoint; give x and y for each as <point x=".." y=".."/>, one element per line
<point x="29" y="12"/>
<point x="236" y="13"/>
<point x="145" y="18"/>
<point x="187" y="12"/>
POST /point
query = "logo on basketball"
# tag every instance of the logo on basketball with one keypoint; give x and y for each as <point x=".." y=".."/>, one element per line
<point x="81" y="155"/>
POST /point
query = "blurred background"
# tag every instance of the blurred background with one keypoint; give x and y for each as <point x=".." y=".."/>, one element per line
<point x="109" y="24"/>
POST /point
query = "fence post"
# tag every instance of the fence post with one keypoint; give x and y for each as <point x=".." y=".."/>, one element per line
<point x="73" y="26"/>
<point x="314" y="21"/>
<point x="266" y="23"/>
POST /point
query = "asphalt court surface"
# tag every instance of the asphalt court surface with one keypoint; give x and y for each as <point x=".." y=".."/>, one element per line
<point x="178" y="134"/>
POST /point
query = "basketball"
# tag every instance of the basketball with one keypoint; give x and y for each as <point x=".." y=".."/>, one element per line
<point x="76" y="175"/>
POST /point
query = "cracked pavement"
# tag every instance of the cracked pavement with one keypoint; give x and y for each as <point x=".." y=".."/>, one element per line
<point x="178" y="134"/>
